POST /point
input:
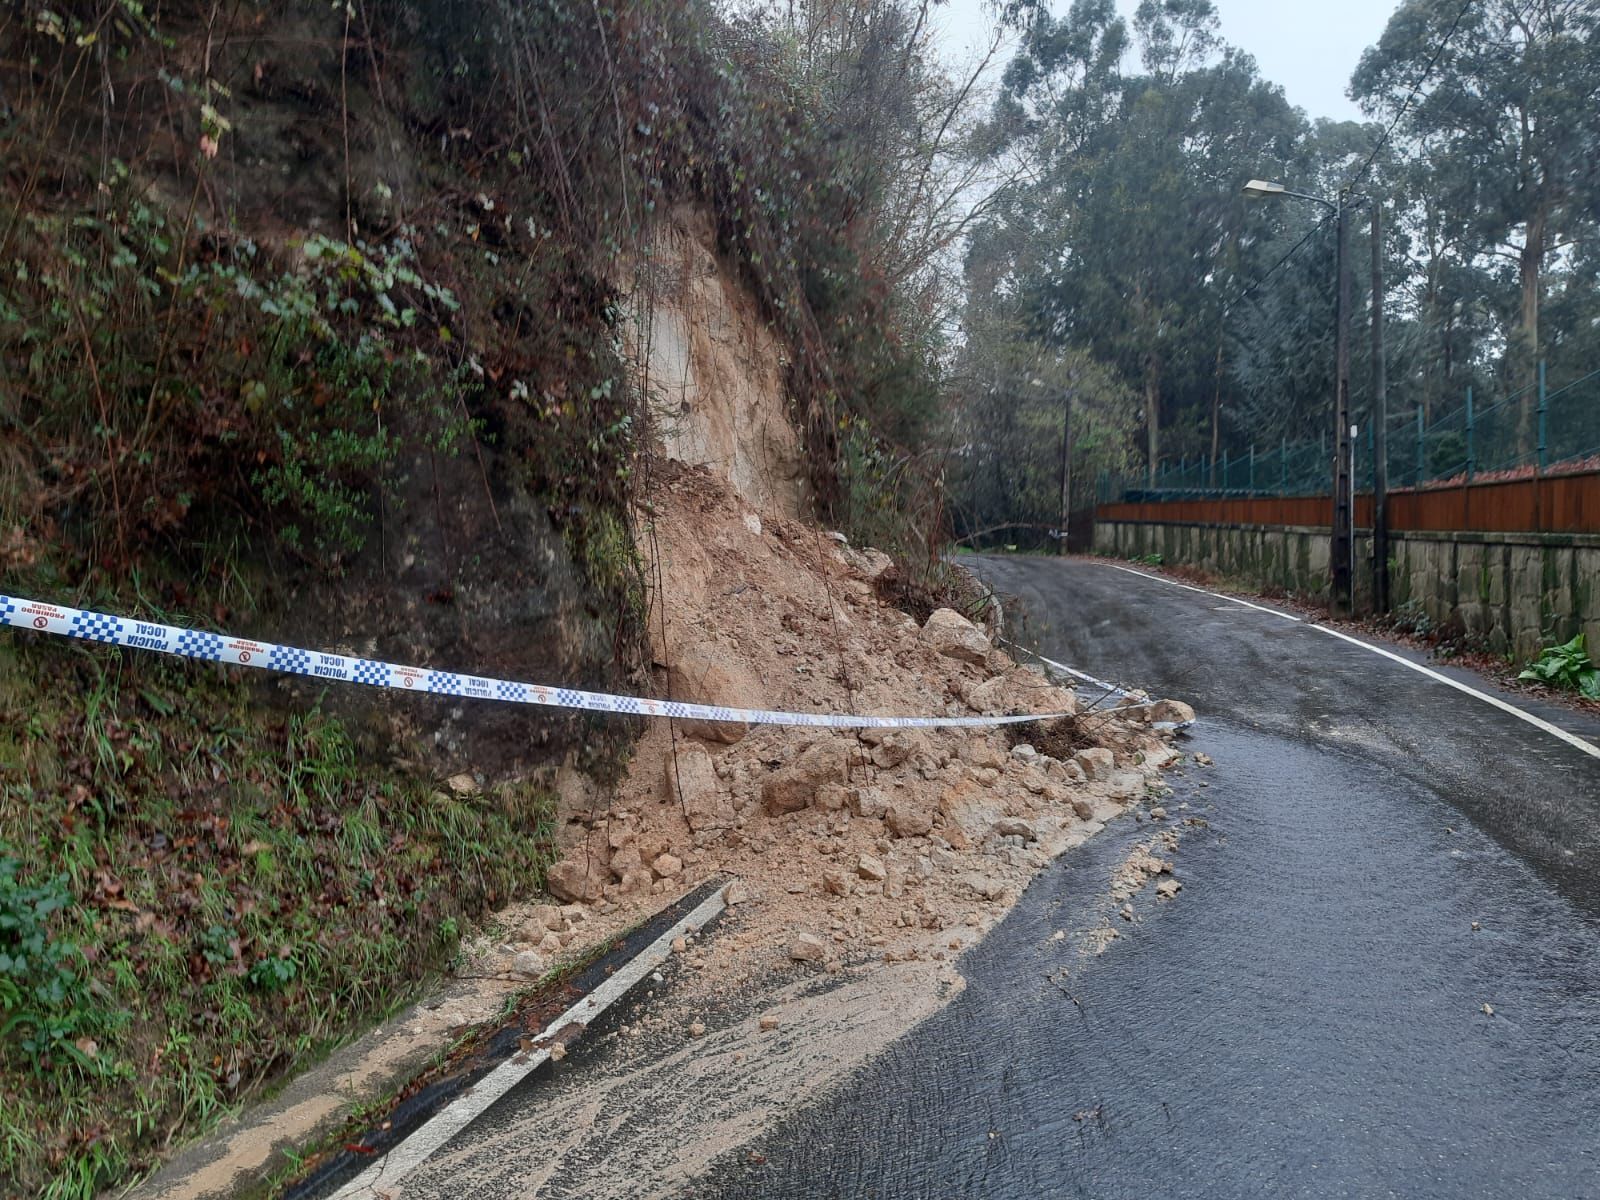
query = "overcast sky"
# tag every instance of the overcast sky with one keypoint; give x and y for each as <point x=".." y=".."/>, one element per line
<point x="1308" y="48"/>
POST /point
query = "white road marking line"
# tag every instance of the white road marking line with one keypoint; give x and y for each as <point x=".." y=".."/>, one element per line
<point x="1230" y="599"/>
<point x="1084" y="676"/>
<point x="377" y="1180"/>
<point x="1571" y="739"/>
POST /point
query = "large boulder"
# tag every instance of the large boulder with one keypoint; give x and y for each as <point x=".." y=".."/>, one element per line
<point x="791" y="788"/>
<point x="952" y="635"/>
<point x="909" y="820"/>
<point x="705" y="673"/>
<point x="872" y="565"/>
<point x="1175" y="711"/>
<point x="693" y="786"/>
<point x="1020" y="690"/>
<point x="577" y="879"/>
<point x="1097" y="762"/>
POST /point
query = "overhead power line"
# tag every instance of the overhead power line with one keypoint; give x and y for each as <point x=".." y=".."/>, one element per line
<point x="1273" y="270"/>
<point x="1382" y="141"/>
<point x="1416" y="89"/>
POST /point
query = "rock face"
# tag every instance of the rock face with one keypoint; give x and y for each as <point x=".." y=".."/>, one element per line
<point x="692" y="785"/>
<point x="791" y="788"/>
<point x="573" y="880"/>
<point x="716" y="368"/>
<point x="952" y="635"/>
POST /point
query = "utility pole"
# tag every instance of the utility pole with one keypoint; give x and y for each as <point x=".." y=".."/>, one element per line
<point x="1065" y="513"/>
<point x="1342" y="556"/>
<point x="1380" y="427"/>
<point x="1343" y="548"/>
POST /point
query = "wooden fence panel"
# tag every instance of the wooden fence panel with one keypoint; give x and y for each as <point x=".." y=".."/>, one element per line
<point x="1547" y="504"/>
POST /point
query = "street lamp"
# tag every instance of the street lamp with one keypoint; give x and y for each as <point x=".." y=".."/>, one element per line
<point x="1342" y="558"/>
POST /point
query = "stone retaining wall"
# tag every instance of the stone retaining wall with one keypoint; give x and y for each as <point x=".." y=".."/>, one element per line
<point x="1514" y="591"/>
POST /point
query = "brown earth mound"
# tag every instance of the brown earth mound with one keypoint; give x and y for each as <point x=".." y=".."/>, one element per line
<point x="852" y="846"/>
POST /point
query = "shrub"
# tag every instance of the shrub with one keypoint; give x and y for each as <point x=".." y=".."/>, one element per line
<point x="1566" y="666"/>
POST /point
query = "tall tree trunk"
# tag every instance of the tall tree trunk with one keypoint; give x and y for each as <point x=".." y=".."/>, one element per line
<point x="1216" y="415"/>
<point x="1152" y="412"/>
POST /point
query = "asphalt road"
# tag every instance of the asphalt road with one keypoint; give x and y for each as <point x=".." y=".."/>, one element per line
<point x="1308" y="1017"/>
<point x="1314" y="1014"/>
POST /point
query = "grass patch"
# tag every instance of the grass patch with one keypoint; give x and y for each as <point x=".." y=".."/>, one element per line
<point x="199" y="894"/>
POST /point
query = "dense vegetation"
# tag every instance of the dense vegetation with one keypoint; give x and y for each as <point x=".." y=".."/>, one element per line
<point x="1208" y="317"/>
<point x="313" y="324"/>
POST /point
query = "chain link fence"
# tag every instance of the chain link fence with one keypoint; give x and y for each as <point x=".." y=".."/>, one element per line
<point x="1540" y="428"/>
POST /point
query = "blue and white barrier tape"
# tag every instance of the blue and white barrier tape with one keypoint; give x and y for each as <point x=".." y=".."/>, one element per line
<point x="243" y="652"/>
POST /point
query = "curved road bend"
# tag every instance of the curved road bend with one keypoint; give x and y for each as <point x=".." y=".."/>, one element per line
<point x="1306" y="1018"/>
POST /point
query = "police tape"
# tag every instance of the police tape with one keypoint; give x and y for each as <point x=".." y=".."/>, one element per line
<point x="339" y="668"/>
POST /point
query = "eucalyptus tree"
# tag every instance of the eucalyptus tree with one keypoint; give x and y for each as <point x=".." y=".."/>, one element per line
<point x="1507" y="115"/>
<point x="1139" y="235"/>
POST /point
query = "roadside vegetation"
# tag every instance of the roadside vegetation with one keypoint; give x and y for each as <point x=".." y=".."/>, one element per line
<point x="193" y="897"/>
<point x="1566" y="666"/>
<point x="312" y="328"/>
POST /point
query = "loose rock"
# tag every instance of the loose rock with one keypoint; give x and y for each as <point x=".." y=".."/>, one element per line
<point x="807" y="947"/>
<point x="1096" y="763"/>
<point x="907" y="820"/>
<point x="1015" y="827"/>
<point x="692" y="785"/>
<point x="952" y="635"/>
<point x="573" y="880"/>
<point x="791" y="789"/>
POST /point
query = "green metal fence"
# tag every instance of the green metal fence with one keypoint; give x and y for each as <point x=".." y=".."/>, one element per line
<point x="1536" y="429"/>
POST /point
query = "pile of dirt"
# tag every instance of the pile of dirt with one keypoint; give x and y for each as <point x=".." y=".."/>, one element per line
<point x="850" y="847"/>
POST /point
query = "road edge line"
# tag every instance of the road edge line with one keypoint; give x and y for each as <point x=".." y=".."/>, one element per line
<point x="1188" y="587"/>
<point x="430" y="1137"/>
<point x="1572" y="739"/>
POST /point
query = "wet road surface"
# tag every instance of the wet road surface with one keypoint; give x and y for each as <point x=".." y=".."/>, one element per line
<point x="1307" y="1017"/>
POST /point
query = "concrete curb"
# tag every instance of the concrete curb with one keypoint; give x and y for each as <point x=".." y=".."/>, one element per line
<point x="384" y="1176"/>
<point x="242" y="1155"/>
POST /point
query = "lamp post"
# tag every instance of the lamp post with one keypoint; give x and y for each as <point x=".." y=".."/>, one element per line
<point x="1342" y="558"/>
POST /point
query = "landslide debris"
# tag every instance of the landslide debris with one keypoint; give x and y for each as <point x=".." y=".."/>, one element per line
<point x="854" y="846"/>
